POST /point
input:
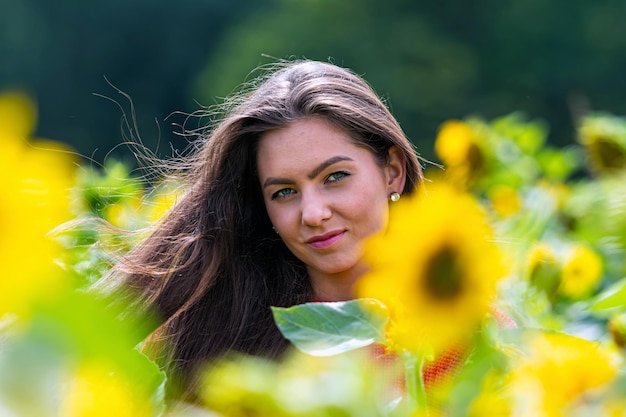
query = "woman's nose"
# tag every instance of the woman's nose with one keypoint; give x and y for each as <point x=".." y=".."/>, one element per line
<point x="315" y="210"/>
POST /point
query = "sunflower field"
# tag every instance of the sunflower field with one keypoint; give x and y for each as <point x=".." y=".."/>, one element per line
<point x="498" y="290"/>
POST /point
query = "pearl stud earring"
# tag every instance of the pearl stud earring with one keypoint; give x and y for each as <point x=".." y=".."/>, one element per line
<point x="394" y="196"/>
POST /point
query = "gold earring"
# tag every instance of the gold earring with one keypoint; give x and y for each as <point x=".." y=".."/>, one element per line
<point x="394" y="196"/>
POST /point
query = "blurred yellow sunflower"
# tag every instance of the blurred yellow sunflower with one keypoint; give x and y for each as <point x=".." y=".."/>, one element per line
<point x="123" y="214"/>
<point x="97" y="389"/>
<point x="458" y="149"/>
<point x="604" y="139"/>
<point x="164" y="197"/>
<point x="505" y="200"/>
<point x="435" y="267"/>
<point x="558" y="371"/>
<point x="543" y="268"/>
<point x="582" y="270"/>
<point x="35" y="182"/>
<point x="617" y="329"/>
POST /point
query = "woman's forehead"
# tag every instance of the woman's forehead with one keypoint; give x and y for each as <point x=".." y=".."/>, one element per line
<point x="304" y="145"/>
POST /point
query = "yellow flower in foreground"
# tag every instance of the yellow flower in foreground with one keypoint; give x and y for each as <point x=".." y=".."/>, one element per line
<point x="96" y="390"/>
<point x="582" y="270"/>
<point x="435" y="268"/>
<point x="558" y="370"/>
<point x="614" y="408"/>
<point x="35" y="181"/>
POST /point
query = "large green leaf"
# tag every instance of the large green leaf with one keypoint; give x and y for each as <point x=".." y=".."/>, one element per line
<point x="610" y="301"/>
<point x="330" y="328"/>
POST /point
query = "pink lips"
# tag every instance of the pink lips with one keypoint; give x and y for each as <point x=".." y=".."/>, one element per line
<point x="326" y="240"/>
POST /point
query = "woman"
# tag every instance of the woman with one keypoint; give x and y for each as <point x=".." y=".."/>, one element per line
<point x="281" y="195"/>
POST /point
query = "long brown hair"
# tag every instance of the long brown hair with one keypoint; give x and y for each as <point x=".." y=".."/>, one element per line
<point x="213" y="267"/>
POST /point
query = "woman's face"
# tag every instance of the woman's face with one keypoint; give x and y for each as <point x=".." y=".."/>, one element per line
<point x="325" y="196"/>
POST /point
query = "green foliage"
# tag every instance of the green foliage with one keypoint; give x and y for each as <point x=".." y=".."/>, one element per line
<point x="38" y="362"/>
<point x="611" y="301"/>
<point x="323" y="329"/>
<point x="106" y="187"/>
<point x="303" y="386"/>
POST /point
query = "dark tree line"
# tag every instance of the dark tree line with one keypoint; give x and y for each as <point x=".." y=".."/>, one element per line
<point x="431" y="60"/>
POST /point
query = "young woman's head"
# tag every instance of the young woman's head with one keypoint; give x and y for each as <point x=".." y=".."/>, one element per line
<point x="302" y="116"/>
<point x="325" y="194"/>
<point x="282" y="193"/>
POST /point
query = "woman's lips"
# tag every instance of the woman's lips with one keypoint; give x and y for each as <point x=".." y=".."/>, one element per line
<point x="325" y="241"/>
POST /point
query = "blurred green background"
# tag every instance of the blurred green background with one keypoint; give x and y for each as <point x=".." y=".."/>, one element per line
<point x="434" y="60"/>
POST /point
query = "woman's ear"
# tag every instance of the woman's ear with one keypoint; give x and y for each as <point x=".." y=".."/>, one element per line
<point x="395" y="170"/>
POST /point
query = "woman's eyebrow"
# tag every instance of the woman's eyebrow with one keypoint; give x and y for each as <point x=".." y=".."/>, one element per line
<point x="315" y="172"/>
<point x="321" y="167"/>
<point x="275" y="181"/>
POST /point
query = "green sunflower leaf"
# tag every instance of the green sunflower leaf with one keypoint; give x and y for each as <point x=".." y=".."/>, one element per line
<point x="610" y="301"/>
<point x="330" y="328"/>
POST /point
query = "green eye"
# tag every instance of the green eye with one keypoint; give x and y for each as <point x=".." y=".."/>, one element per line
<point x="336" y="176"/>
<point x="283" y="193"/>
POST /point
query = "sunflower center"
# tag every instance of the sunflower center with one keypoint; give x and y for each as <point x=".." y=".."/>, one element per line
<point x="443" y="274"/>
<point x="475" y="158"/>
<point x="610" y="155"/>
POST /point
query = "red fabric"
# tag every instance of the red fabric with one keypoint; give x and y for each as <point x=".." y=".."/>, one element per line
<point x="448" y="363"/>
<point x="445" y="366"/>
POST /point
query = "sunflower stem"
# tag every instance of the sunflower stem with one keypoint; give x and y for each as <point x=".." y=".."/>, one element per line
<point x="416" y="391"/>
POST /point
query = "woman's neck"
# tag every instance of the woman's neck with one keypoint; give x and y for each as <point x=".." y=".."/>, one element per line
<point x="336" y="287"/>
